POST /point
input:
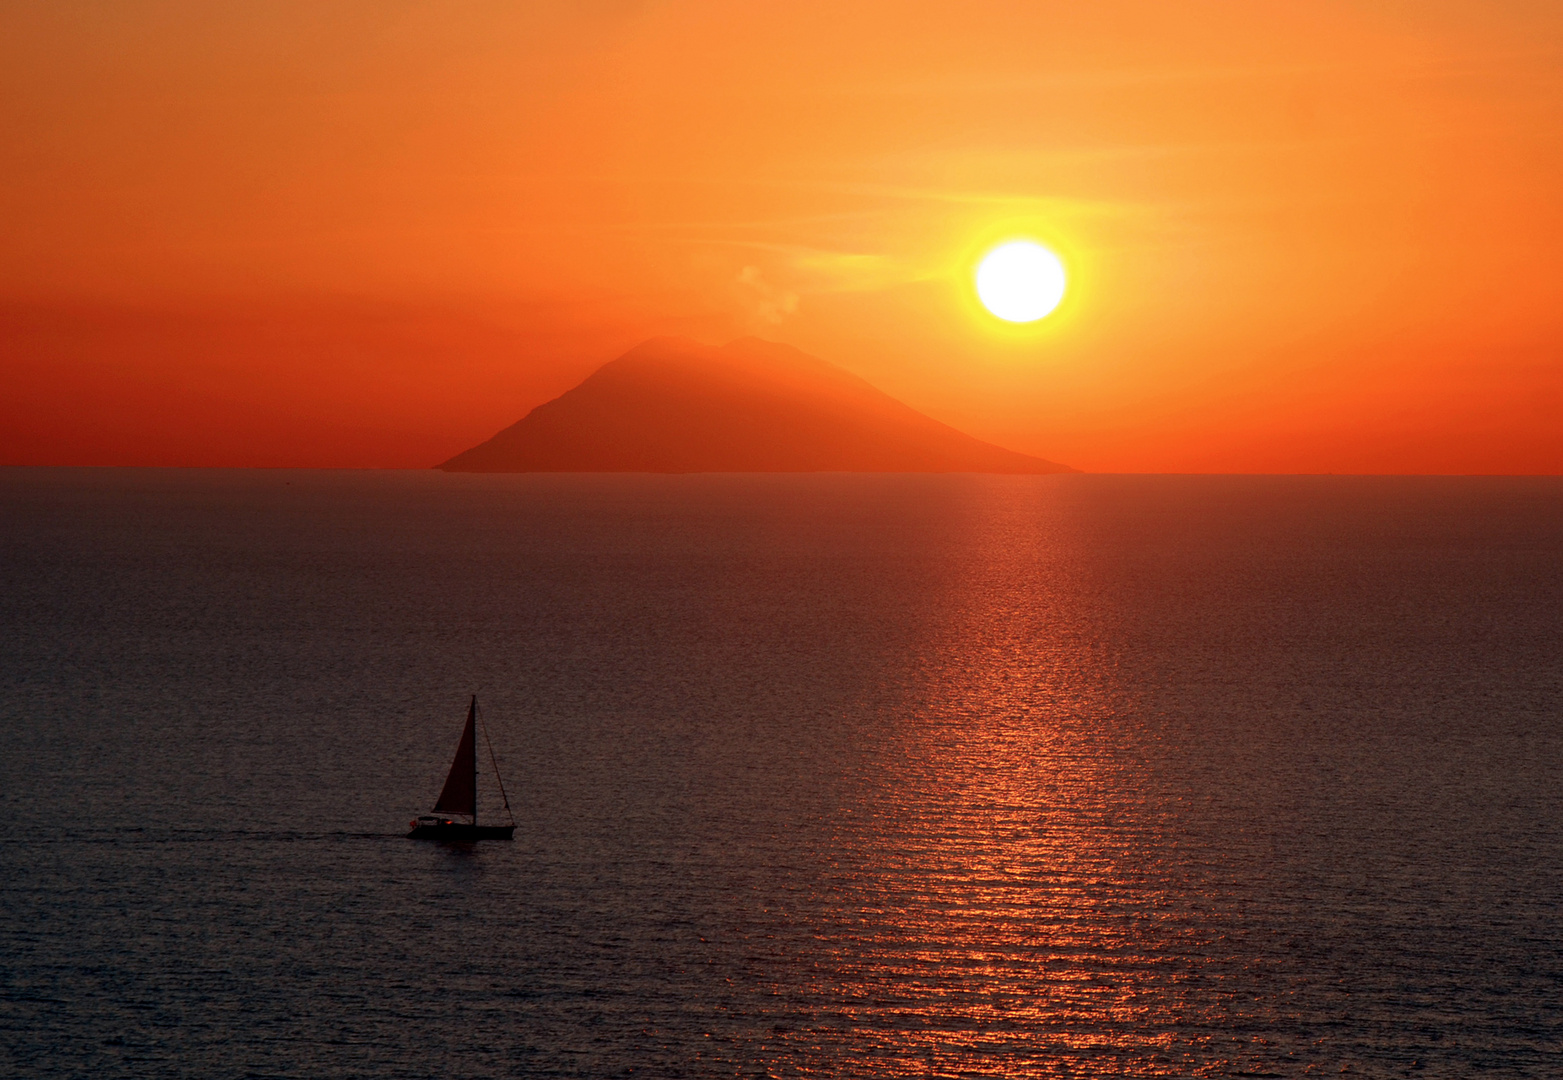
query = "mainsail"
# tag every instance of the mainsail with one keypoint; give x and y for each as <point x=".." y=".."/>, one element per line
<point x="460" y="795"/>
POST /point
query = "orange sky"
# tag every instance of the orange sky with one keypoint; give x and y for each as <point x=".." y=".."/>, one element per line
<point x="1304" y="237"/>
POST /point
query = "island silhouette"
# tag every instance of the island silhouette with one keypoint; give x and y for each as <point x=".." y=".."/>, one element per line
<point x="672" y="405"/>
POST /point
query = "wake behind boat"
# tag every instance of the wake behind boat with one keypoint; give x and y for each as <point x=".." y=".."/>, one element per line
<point x="460" y="794"/>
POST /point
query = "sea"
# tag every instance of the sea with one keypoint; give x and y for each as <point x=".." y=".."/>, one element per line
<point x="812" y="775"/>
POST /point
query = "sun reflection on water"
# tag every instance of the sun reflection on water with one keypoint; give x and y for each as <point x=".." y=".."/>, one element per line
<point x="1011" y="880"/>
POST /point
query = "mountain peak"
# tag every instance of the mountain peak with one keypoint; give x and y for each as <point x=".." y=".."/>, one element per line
<point x="674" y="405"/>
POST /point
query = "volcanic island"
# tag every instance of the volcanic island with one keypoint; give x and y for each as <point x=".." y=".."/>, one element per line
<point x="671" y="405"/>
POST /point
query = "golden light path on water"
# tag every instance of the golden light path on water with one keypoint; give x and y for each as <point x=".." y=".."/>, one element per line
<point x="1012" y="896"/>
<point x="1009" y="855"/>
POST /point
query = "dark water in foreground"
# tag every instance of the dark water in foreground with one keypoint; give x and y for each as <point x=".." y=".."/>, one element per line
<point x="815" y="776"/>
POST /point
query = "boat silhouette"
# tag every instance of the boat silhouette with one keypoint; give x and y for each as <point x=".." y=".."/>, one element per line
<point x="459" y="796"/>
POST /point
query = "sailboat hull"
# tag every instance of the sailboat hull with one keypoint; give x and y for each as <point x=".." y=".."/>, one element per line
<point x="455" y="832"/>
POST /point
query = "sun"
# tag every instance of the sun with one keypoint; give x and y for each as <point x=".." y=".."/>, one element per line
<point x="1020" y="281"/>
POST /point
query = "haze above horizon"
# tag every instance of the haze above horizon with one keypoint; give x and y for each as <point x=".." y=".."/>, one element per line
<point x="1298" y="237"/>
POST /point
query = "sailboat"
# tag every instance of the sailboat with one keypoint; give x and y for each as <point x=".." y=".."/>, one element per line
<point x="460" y="794"/>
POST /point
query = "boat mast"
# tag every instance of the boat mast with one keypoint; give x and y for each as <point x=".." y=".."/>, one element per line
<point x="472" y="724"/>
<point x="500" y="780"/>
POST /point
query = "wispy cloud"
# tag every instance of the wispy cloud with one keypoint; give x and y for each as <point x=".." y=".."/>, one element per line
<point x="767" y="302"/>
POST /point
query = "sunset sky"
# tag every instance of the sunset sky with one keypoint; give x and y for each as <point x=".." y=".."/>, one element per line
<point x="1321" y="236"/>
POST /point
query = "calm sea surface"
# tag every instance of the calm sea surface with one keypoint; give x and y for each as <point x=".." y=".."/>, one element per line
<point x="814" y="775"/>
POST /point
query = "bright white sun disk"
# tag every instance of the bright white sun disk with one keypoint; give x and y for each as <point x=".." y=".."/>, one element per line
<point x="1020" y="281"/>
